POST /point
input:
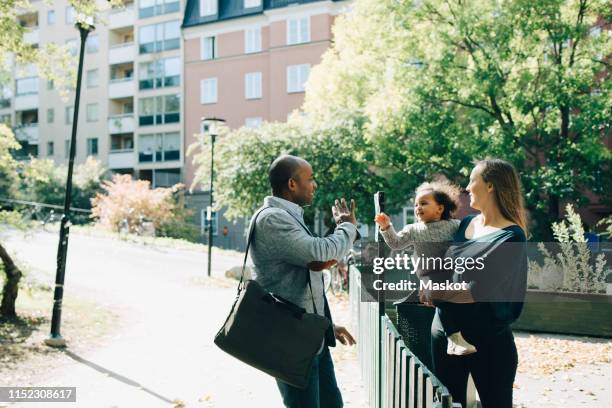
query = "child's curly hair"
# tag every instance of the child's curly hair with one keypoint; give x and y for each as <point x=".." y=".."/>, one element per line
<point x="444" y="193"/>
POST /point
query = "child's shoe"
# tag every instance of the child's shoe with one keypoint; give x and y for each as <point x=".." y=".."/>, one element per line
<point x="458" y="346"/>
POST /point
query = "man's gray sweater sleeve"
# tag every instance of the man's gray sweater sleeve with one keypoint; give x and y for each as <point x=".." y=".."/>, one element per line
<point x="292" y="244"/>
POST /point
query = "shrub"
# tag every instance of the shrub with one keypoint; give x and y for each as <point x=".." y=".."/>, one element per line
<point x="579" y="272"/>
<point x="127" y="202"/>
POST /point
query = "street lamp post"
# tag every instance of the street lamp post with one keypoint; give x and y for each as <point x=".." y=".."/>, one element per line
<point x="212" y="124"/>
<point x="55" y="338"/>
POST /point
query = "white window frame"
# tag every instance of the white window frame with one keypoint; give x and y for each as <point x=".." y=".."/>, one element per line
<point x="252" y="3"/>
<point x="300" y="22"/>
<point x="252" y="40"/>
<point x="204" y="51"/>
<point x="96" y="74"/>
<point x="70" y="15"/>
<point x="89" y="146"/>
<point x="92" y="112"/>
<point x="51" y="17"/>
<point x="209" y="91"/>
<point x="253" y="85"/>
<point x="69" y="114"/>
<point x="92" y="44"/>
<point x="299" y="71"/>
<point x="208" y="8"/>
<point x="254" y="122"/>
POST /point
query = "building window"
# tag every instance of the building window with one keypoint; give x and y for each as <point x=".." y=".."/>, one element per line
<point x="208" y="8"/>
<point x="50" y="17"/>
<point x="159" y="37"/>
<point x="6" y="119"/>
<point x="209" y="48"/>
<point x="71" y="46"/>
<point x="50" y="84"/>
<point x="92" y="112"/>
<point x="92" y="146"/>
<point x="92" y="78"/>
<point x="158" y="110"/>
<point x="159" y="147"/>
<point x="252" y="85"/>
<point x="69" y="114"/>
<point x="26" y="86"/>
<point x="150" y="8"/>
<point x="208" y="90"/>
<point x="92" y="44"/>
<point x="70" y="15"/>
<point x="298" y="30"/>
<point x="160" y="73"/>
<point x="297" y="75"/>
<point x="66" y="148"/>
<point x="50" y="148"/>
<point x="252" y="40"/>
<point x="50" y="115"/>
<point x="122" y="142"/>
<point x="253" y="123"/>
<point x="251" y="3"/>
<point x="6" y="94"/>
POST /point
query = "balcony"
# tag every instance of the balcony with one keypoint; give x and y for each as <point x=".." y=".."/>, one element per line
<point x="121" y="159"/>
<point x="119" y="53"/>
<point x="31" y="36"/>
<point x="27" y="133"/>
<point x="121" y="88"/>
<point x="122" y="17"/>
<point x="121" y="123"/>
<point x="27" y="101"/>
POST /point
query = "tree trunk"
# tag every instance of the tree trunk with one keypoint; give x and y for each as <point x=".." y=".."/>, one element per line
<point x="11" y="285"/>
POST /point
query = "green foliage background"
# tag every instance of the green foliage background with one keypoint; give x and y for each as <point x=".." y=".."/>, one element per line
<point x="412" y="90"/>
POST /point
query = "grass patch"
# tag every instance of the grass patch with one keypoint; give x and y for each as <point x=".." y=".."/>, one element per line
<point x="24" y="354"/>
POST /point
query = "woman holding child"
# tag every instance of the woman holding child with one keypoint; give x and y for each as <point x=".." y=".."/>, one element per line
<point x="471" y="331"/>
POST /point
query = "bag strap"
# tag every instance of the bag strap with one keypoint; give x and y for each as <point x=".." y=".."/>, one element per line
<point x="248" y="245"/>
<point x="246" y="253"/>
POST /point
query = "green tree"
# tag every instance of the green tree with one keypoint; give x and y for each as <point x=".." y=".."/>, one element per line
<point x="54" y="63"/>
<point x="8" y="172"/>
<point x="443" y="82"/>
<point x="339" y="154"/>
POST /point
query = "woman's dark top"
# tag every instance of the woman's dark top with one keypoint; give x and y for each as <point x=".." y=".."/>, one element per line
<point x="499" y="288"/>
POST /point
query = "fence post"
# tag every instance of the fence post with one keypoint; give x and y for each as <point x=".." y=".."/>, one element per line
<point x="379" y="197"/>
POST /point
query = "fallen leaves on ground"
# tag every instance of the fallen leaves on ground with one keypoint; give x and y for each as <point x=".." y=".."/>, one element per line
<point x="545" y="354"/>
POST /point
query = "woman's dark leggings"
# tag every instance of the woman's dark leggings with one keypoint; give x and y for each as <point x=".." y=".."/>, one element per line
<point x="493" y="367"/>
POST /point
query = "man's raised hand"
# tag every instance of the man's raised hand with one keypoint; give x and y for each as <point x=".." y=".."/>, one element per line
<point x="342" y="213"/>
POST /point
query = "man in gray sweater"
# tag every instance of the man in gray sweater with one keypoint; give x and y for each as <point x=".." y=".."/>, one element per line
<point x="285" y="254"/>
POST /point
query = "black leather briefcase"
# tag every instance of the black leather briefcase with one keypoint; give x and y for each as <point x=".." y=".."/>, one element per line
<point x="270" y="333"/>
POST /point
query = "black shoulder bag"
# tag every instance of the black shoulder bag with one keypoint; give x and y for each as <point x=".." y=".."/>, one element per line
<point x="270" y="333"/>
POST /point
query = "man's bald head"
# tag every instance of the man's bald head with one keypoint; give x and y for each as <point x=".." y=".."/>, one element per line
<point x="281" y="170"/>
<point x="291" y="178"/>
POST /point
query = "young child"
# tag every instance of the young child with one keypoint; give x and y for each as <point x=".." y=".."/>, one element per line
<point x="430" y="237"/>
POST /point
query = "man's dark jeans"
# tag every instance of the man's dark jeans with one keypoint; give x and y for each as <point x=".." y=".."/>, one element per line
<point x="322" y="390"/>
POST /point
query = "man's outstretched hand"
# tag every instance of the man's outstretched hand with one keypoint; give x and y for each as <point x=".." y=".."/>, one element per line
<point x="342" y="213"/>
<point x="343" y="336"/>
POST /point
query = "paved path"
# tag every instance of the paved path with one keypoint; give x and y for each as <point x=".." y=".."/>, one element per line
<point x="163" y="351"/>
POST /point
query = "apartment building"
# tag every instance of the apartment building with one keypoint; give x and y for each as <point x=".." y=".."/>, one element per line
<point x="247" y="61"/>
<point x="130" y="110"/>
